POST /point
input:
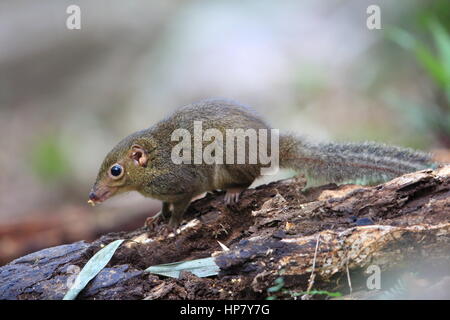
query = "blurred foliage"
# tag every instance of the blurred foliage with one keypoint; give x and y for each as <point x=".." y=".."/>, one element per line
<point x="48" y="159"/>
<point x="434" y="58"/>
<point x="436" y="65"/>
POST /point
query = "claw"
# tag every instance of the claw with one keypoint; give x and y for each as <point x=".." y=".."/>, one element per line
<point x="152" y="221"/>
<point x="164" y="229"/>
<point x="232" y="196"/>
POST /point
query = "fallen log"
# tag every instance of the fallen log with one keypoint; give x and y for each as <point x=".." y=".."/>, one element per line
<point x="385" y="241"/>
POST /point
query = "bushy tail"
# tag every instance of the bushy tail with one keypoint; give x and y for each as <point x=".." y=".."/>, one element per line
<point x="366" y="163"/>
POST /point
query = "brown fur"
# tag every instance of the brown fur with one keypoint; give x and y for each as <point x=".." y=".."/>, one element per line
<point x="177" y="184"/>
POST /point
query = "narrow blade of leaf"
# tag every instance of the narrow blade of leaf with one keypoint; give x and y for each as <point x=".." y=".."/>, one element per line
<point x="426" y="58"/>
<point x="92" y="268"/>
<point x="442" y="40"/>
<point x="201" y="268"/>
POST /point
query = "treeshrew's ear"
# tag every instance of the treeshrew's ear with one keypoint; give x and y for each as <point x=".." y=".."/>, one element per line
<point x="139" y="155"/>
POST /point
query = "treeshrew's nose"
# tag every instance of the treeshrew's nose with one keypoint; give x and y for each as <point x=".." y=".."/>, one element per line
<point x="93" y="196"/>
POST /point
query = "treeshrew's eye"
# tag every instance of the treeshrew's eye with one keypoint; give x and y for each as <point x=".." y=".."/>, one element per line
<point x="116" y="170"/>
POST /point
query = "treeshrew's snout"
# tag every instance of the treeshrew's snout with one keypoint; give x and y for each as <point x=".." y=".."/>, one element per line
<point x="100" y="194"/>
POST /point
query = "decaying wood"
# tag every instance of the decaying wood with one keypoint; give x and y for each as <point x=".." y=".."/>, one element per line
<point x="320" y="239"/>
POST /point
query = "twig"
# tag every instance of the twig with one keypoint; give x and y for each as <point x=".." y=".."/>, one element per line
<point x="348" y="276"/>
<point x="313" y="276"/>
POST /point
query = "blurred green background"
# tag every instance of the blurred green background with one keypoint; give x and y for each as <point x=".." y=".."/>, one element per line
<point x="313" y="67"/>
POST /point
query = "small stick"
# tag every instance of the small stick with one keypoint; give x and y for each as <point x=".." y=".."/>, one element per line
<point x="313" y="276"/>
<point x="348" y="277"/>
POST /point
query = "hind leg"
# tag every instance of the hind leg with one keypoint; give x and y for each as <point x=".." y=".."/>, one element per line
<point x="179" y="208"/>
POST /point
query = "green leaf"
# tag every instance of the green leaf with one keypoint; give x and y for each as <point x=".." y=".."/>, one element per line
<point x="92" y="268"/>
<point x="315" y="292"/>
<point x="279" y="283"/>
<point x="49" y="160"/>
<point x="442" y="41"/>
<point x="201" y="268"/>
<point x="431" y="64"/>
<point x="428" y="61"/>
<point x="402" y="38"/>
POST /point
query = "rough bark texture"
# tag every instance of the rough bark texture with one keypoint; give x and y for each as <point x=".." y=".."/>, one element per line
<point x="325" y="238"/>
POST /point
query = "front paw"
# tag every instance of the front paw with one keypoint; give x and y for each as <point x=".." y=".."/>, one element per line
<point x="152" y="222"/>
<point x="159" y="225"/>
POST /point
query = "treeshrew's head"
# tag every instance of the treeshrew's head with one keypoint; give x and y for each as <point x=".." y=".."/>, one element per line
<point x="121" y="169"/>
